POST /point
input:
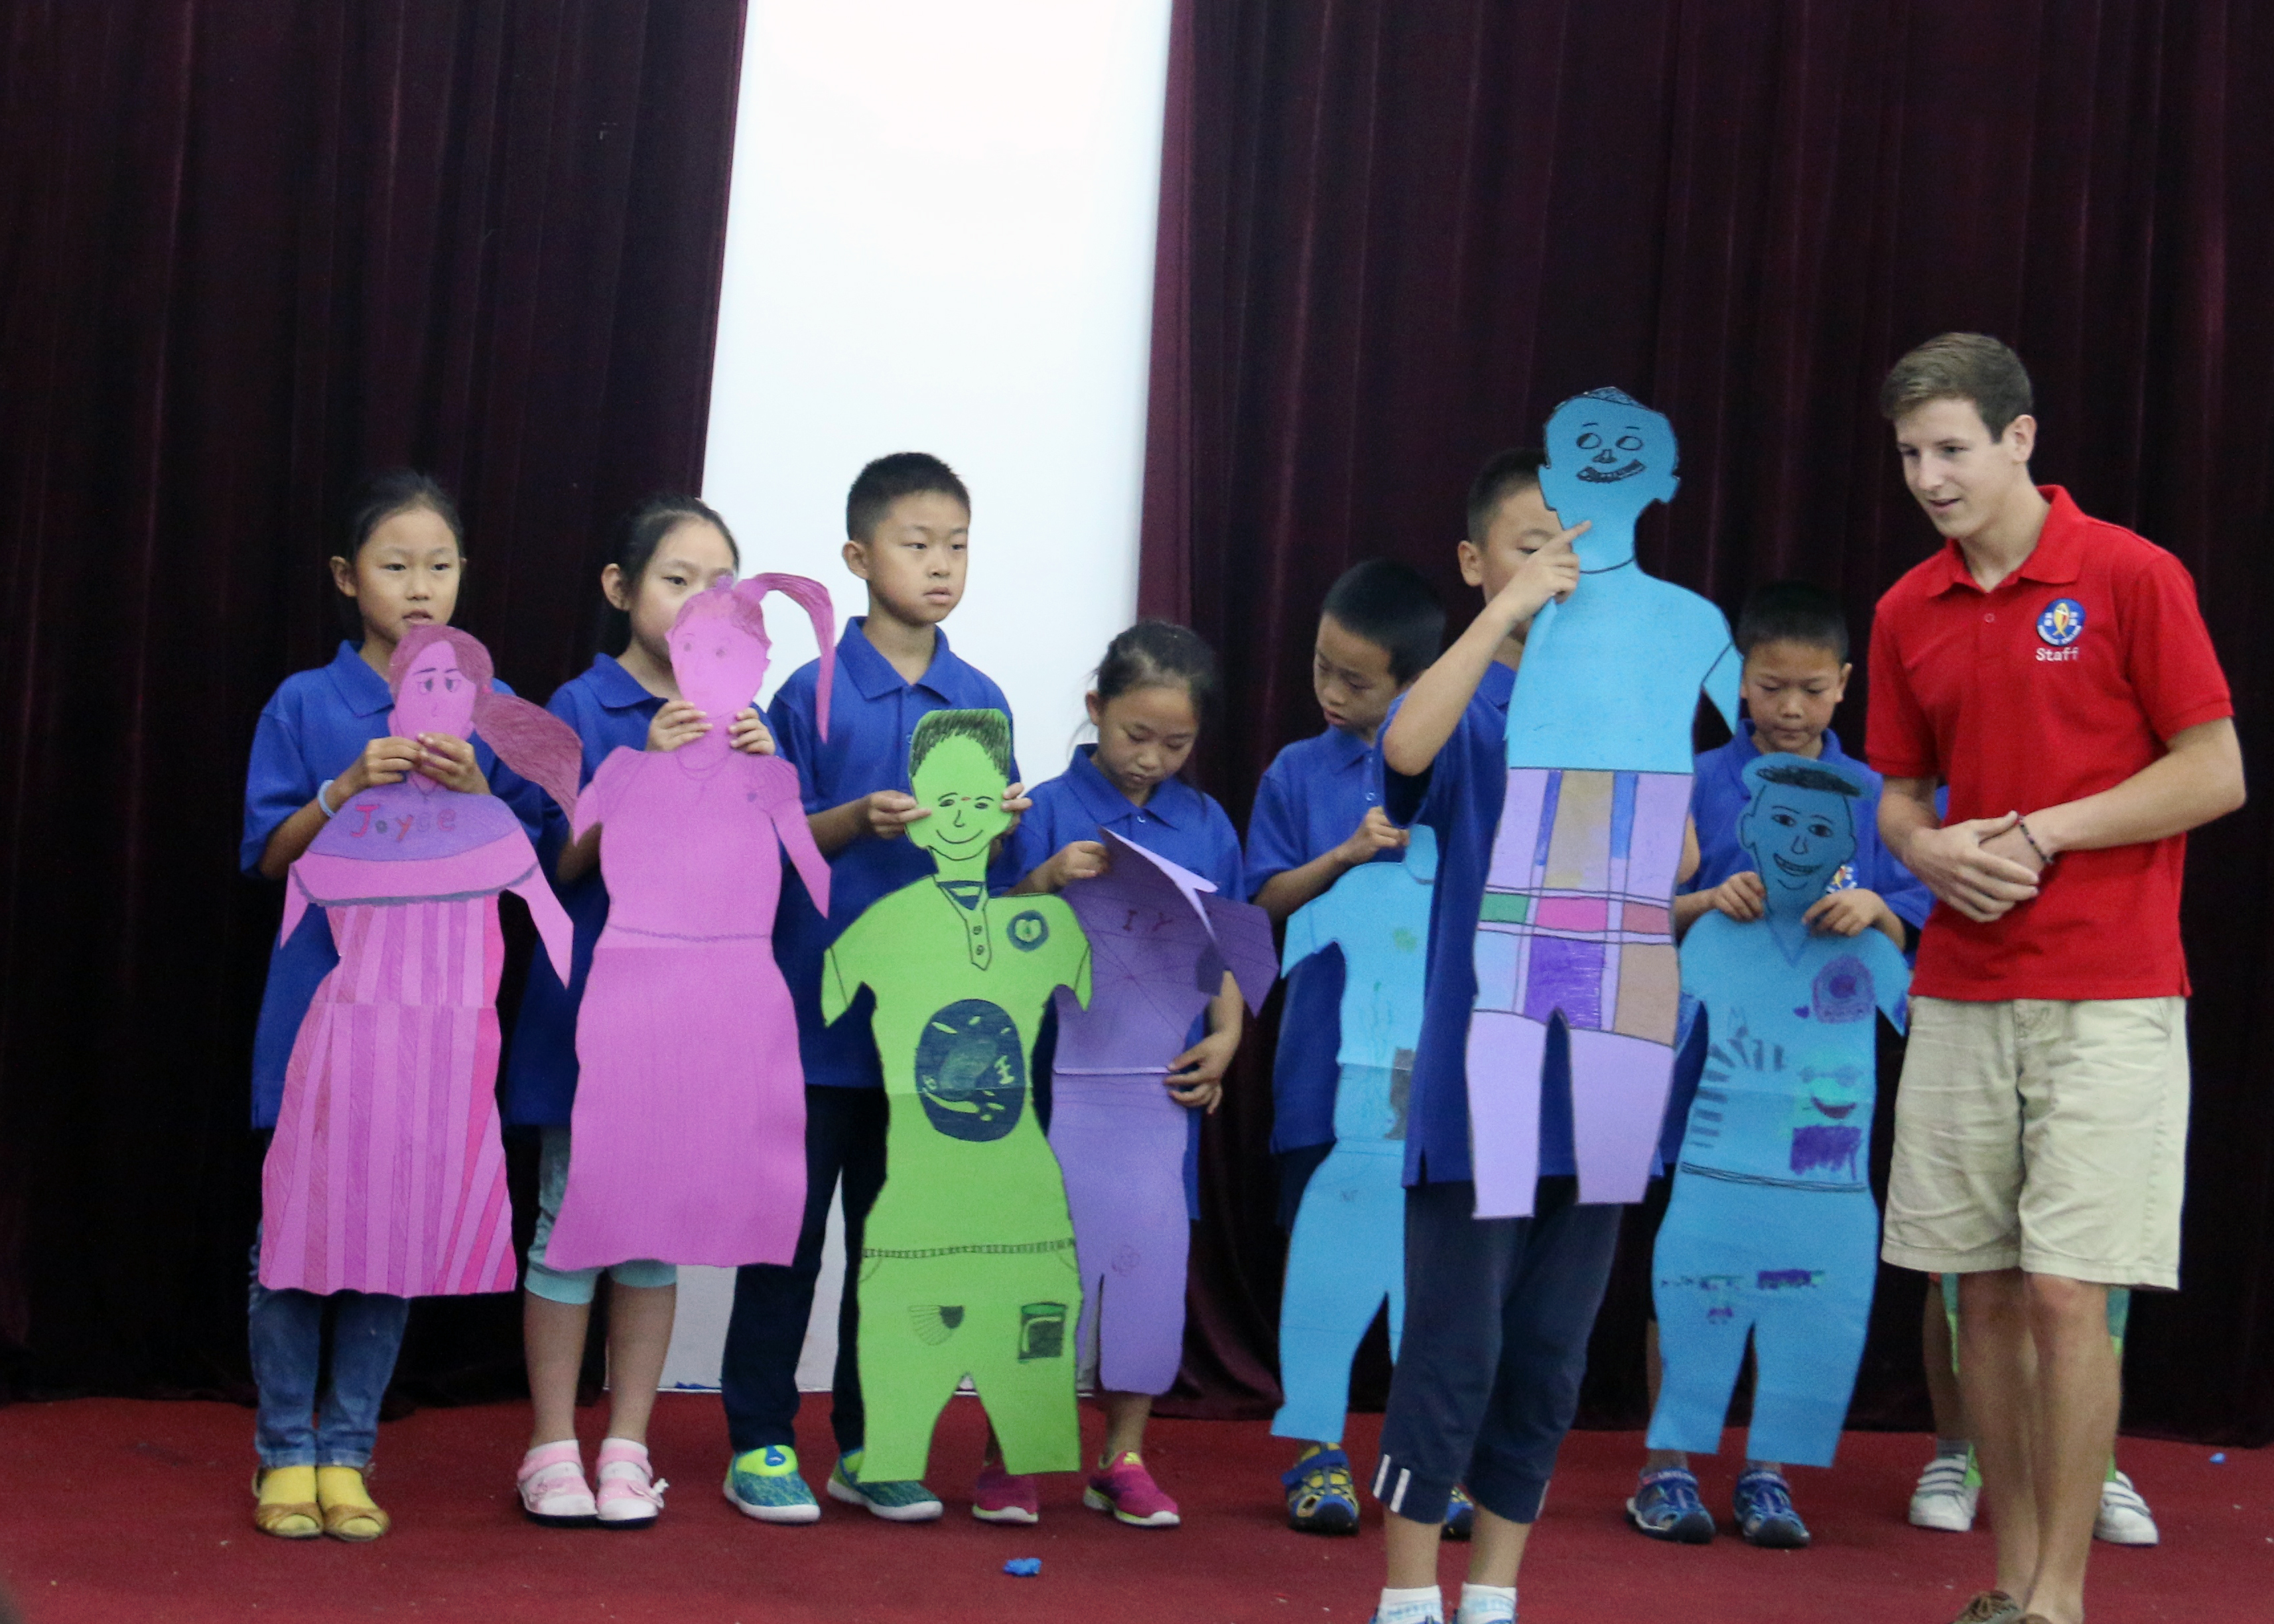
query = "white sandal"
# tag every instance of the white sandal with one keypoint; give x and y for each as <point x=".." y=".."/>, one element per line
<point x="553" y="1487"/>
<point x="629" y="1495"/>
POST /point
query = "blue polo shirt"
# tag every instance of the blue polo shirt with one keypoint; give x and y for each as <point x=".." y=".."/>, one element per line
<point x="313" y="728"/>
<point x="1180" y="822"/>
<point x="872" y="720"/>
<point x="1313" y="798"/>
<point x="610" y="711"/>
<point x="1719" y="795"/>
<point x="1460" y="798"/>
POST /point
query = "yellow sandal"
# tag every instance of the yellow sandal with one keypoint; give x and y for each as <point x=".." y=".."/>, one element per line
<point x="285" y="1503"/>
<point x="349" y="1511"/>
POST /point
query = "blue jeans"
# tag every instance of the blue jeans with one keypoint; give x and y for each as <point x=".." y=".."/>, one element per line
<point x="286" y="1331"/>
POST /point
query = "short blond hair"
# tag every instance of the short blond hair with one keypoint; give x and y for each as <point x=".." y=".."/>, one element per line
<point x="1960" y="366"/>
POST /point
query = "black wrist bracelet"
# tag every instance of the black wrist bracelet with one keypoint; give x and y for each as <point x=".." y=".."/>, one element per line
<point x="2022" y="824"/>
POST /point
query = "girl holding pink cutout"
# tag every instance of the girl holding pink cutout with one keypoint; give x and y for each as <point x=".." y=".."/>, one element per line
<point x="688" y="1132"/>
<point x="375" y="1060"/>
<point x="669" y="549"/>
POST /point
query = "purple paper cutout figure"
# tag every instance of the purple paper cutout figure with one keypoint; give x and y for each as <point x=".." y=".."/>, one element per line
<point x="687" y="1142"/>
<point x="386" y="1173"/>
<point x="1161" y="940"/>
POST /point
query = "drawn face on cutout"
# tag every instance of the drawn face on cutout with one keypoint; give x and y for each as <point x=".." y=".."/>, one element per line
<point x="971" y="1071"/>
<point x="719" y="661"/>
<point x="1608" y="458"/>
<point x="1799" y="838"/>
<point x="959" y="784"/>
<point x="435" y="697"/>
<point x="1830" y="1110"/>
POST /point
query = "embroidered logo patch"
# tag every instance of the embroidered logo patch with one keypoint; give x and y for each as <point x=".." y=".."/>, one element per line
<point x="2062" y="623"/>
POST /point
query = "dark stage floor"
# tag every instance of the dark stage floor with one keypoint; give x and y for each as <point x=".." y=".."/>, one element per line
<point x="119" y="1510"/>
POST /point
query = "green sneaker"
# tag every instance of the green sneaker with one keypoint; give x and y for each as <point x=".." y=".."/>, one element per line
<point x="907" y="1501"/>
<point x="764" y="1484"/>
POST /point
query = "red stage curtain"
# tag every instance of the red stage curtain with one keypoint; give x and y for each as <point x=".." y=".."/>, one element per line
<point x="248" y="254"/>
<point x="1395" y="234"/>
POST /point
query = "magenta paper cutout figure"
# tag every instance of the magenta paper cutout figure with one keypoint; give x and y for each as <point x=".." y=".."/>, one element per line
<point x="386" y="1173"/>
<point x="1161" y="940"/>
<point x="688" y="1136"/>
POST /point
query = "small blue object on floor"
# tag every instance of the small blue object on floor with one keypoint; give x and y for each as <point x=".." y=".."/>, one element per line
<point x="1023" y="1567"/>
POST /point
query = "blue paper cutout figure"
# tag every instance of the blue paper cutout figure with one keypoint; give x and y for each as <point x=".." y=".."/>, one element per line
<point x="1347" y="1252"/>
<point x="1578" y="913"/>
<point x="1771" y="1231"/>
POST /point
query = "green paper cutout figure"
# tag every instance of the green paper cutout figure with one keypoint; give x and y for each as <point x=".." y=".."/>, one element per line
<point x="968" y="1261"/>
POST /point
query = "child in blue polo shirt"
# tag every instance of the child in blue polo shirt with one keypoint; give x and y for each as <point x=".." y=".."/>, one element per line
<point x="1793" y="638"/>
<point x="1153" y="688"/>
<point x="322" y="738"/>
<point x="668" y="548"/>
<point x="1318" y="815"/>
<point x="908" y="524"/>
<point x="1497" y="1310"/>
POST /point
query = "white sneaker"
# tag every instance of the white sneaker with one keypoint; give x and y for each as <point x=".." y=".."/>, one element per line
<point x="1944" y="1500"/>
<point x="2124" y="1518"/>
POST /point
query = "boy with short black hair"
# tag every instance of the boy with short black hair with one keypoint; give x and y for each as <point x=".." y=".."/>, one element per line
<point x="1793" y="636"/>
<point x="907" y="521"/>
<point x="1318" y="815"/>
<point x="1498" y="1310"/>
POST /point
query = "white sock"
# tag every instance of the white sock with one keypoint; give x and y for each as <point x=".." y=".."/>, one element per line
<point x="1422" y="1605"/>
<point x="1488" y="1603"/>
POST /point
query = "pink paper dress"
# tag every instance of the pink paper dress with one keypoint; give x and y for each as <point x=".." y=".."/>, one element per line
<point x="688" y="1136"/>
<point x="386" y="1173"/>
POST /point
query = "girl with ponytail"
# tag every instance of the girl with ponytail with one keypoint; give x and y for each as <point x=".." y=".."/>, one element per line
<point x="386" y="1175"/>
<point x="685" y="1138"/>
<point x="396" y="719"/>
<point x="667" y="550"/>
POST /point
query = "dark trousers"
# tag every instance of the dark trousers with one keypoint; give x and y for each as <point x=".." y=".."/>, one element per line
<point x="844" y="1134"/>
<point x="1498" y="1312"/>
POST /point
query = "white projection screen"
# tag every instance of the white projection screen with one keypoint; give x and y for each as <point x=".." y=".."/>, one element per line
<point x="940" y="238"/>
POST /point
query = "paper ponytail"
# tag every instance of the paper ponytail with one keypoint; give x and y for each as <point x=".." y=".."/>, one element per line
<point x="813" y="598"/>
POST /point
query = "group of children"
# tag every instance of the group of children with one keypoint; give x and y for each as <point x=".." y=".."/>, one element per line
<point x="1488" y="1383"/>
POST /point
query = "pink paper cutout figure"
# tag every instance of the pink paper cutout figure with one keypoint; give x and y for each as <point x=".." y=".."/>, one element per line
<point x="386" y="1173"/>
<point x="1161" y="940"/>
<point x="688" y="1136"/>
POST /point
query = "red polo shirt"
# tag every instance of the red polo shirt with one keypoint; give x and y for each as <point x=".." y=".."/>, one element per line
<point x="2064" y="680"/>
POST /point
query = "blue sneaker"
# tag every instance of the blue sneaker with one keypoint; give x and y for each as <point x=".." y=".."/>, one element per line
<point x="908" y="1502"/>
<point x="1321" y="1497"/>
<point x="1667" y="1507"/>
<point x="1460" y="1514"/>
<point x="1765" y="1513"/>
<point x="765" y="1484"/>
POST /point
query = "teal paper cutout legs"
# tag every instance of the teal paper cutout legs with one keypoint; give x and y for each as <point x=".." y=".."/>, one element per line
<point x="1792" y="1269"/>
<point x="1346" y="1256"/>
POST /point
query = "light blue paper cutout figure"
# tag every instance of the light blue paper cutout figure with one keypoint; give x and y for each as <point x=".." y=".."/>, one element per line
<point x="1772" y="1231"/>
<point x="1347" y="1252"/>
<point x="1578" y="913"/>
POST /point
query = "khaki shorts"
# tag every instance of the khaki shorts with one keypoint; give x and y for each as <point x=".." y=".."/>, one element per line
<point x="2040" y="1134"/>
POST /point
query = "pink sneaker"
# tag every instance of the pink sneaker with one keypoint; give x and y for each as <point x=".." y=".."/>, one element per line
<point x="1127" y="1490"/>
<point x="553" y="1487"/>
<point x="630" y="1496"/>
<point x="1002" y="1497"/>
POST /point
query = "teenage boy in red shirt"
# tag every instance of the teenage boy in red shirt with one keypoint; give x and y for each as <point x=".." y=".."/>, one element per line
<point x="2054" y="671"/>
